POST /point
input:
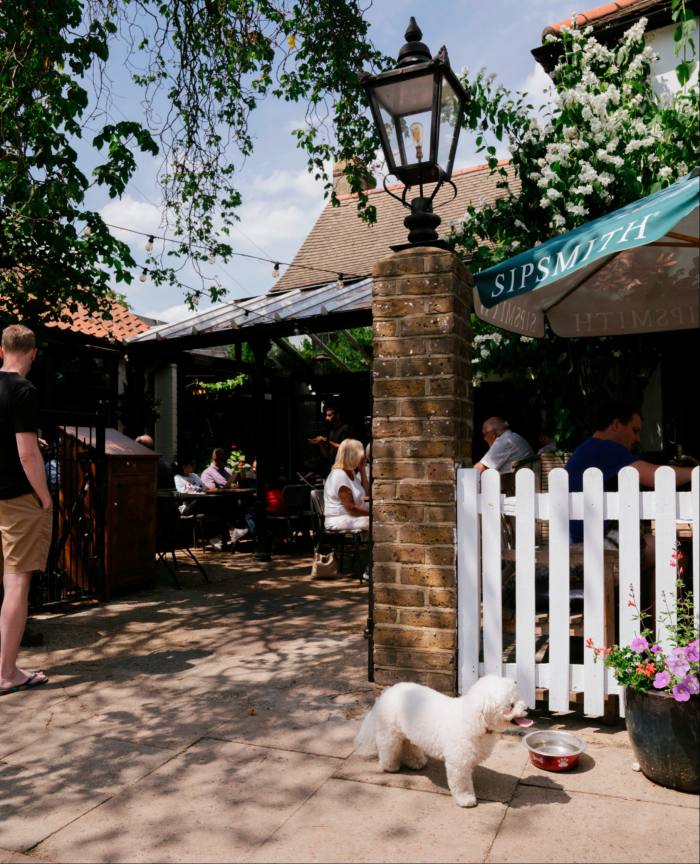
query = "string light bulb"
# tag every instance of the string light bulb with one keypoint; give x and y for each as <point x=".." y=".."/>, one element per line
<point x="149" y="244"/>
<point x="87" y="231"/>
<point x="144" y="273"/>
<point x="340" y="282"/>
<point x="276" y="270"/>
<point x="212" y="258"/>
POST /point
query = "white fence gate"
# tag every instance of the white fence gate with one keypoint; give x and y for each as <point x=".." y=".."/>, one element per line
<point x="481" y="509"/>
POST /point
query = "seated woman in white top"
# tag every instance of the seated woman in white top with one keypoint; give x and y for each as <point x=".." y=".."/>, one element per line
<point x="187" y="481"/>
<point x="345" y="489"/>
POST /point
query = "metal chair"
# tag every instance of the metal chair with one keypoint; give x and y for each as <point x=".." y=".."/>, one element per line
<point x="175" y="531"/>
<point x="333" y="538"/>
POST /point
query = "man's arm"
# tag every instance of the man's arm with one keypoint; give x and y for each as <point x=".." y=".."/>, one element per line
<point x="33" y="465"/>
<point x="647" y="470"/>
<point x="323" y="444"/>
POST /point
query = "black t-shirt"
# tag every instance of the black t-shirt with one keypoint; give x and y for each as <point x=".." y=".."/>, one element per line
<point x="337" y="436"/>
<point x="19" y="412"/>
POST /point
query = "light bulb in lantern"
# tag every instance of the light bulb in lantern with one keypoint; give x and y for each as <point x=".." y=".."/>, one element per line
<point x="416" y="130"/>
<point x="142" y="277"/>
<point x="149" y="244"/>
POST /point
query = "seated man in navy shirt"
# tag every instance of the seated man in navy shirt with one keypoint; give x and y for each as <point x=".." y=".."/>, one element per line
<point x="610" y="449"/>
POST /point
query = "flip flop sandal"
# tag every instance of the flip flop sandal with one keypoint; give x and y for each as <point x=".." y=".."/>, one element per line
<point x="32" y="681"/>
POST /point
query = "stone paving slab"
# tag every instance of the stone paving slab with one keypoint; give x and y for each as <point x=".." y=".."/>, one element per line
<point x="48" y="785"/>
<point x="494" y="780"/>
<point x="7" y="857"/>
<point x="215" y="802"/>
<point x="593" y="828"/>
<point x="608" y="771"/>
<point x="27" y="719"/>
<point x="349" y="821"/>
<point x="317" y="732"/>
<point x="216" y="723"/>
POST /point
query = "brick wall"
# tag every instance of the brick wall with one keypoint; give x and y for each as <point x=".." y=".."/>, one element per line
<point x="422" y="429"/>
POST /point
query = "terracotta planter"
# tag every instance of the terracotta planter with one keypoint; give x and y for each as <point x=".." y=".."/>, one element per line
<point x="665" y="736"/>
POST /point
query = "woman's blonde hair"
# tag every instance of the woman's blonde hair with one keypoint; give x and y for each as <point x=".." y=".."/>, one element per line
<point x="349" y="454"/>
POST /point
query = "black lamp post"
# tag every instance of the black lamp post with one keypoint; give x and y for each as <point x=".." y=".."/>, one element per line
<point x="418" y="109"/>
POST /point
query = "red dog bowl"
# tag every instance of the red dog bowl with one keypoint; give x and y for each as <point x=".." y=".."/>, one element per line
<point x="554" y="750"/>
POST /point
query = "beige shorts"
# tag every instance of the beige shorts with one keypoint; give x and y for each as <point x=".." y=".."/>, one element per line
<point x="25" y="534"/>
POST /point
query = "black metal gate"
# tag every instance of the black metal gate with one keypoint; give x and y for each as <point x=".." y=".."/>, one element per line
<point x="75" y="469"/>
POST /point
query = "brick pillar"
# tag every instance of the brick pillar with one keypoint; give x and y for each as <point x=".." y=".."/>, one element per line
<point x="422" y="430"/>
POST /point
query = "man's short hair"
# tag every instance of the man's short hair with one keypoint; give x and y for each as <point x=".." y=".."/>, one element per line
<point x="612" y="410"/>
<point x="18" y="339"/>
<point x="219" y="453"/>
<point x="495" y="424"/>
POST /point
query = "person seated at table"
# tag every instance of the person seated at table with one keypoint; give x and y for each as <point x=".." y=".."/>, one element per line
<point x="611" y="448"/>
<point x="546" y="442"/>
<point x="217" y="475"/>
<point x="186" y="481"/>
<point x="505" y="447"/>
<point x="165" y="472"/>
<point x="345" y="508"/>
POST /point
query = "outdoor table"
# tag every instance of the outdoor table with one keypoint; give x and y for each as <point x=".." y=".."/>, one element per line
<point x="222" y="504"/>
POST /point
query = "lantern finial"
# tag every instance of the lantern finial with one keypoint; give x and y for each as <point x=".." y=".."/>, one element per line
<point x="414" y="51"/>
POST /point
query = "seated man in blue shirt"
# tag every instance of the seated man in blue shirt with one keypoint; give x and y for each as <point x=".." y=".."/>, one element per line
<point x="610" y="449"/>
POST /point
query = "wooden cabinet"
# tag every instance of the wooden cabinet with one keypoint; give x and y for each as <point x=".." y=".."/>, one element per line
<point x="128" y="517"/>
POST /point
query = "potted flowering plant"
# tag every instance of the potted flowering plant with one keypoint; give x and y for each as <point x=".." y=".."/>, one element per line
<point x="662" y="705"/>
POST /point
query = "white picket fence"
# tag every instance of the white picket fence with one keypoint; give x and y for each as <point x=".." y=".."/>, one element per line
<point x="480" y="509"/>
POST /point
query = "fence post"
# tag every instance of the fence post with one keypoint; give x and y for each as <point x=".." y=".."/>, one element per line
<point x="469" y="578"/>
<point x="559" y="590"/>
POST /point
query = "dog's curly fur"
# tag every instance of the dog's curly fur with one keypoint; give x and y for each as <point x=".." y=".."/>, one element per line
<point x="410" y="722"/>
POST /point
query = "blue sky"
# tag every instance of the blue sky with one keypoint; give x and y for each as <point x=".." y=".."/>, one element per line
<point x="280" y="200"/>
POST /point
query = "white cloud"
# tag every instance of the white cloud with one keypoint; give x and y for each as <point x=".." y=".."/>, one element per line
<point x="539" y="88"/>
<point x="131" y="213"/>
<point x="291" y="184"/>
<point x="268" y="224"/>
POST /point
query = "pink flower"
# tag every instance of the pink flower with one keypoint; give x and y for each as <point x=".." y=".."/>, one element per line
<point x="662" y="679"/>
<point x="692" y="651"/>
<point x="692" y="683"/>
<point x="639" y="644"/>
<point x="678" y="663"/>
<point x="656" y="649"/>
<point x="681" y="693"/>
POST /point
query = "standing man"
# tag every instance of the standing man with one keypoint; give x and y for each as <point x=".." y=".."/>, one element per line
<point x="505" y="447"/>
<point x="25" y="502"/>
<point x="338" y="431"/>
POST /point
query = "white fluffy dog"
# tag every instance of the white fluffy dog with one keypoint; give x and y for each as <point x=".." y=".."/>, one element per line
<point x="410" y="722"/>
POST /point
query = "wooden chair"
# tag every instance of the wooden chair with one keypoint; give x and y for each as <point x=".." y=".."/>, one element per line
<point x="335" y="538"/>
<point x="175" y="531"/>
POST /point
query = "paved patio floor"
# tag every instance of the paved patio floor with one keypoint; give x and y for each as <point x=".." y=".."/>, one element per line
<point x="215" y="723"/>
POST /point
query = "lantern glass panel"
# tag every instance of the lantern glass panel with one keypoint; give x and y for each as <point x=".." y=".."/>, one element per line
<point x="449" y="118"/>
<point x="405" y="108"/>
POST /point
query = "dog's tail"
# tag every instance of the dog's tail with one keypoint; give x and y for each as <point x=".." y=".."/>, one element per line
<point x="365" y="740"/>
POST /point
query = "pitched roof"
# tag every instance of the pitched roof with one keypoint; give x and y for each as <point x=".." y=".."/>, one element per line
<point x="123" y="325"/>
<point x="600" y="15"/>
<point x="341" y="242"/>
<point x="609" y="21"/>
